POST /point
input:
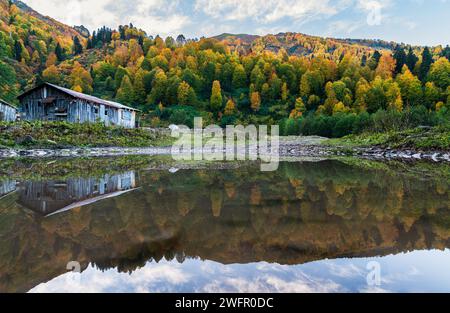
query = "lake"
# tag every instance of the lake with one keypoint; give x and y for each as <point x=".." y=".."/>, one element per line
<point x="143" y="224"/>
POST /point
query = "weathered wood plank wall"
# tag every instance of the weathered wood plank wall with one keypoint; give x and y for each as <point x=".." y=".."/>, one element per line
<point x="7" y="113"/>
<point x="7" y="186"/>
<point x="67" y="108"/>
<point x="48" y="197"/>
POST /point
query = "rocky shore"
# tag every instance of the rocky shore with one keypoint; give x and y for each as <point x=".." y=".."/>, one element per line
<point x="374" y="153"/>
<point x="287" y="149"/>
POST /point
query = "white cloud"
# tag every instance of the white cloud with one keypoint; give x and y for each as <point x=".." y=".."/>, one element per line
<point x="154" y="16"/>
<point x="271" y="283"/>
<point x="340" y="27"/>
<point x="374" y="10"/>
<point x="270" y="10"/>
<point x="384" y="19"/>
<point x="146" y="279"/>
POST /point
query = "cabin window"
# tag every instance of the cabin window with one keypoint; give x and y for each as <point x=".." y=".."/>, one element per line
<point x="95" y="110"/>
<point x="61" y="110"/>
<point x="106" y="112"/>
<point x="126" y="115"/>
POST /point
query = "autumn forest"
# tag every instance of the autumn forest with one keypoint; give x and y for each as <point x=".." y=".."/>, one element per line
<point x="305" y="84"/>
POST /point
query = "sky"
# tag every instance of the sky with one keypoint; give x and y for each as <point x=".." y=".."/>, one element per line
<point x="418" y="271"/>
<point x="418" y="22"/>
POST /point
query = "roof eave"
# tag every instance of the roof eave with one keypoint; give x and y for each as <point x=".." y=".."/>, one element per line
<point x="7" y="104"/>
<point x="55" y="86"/>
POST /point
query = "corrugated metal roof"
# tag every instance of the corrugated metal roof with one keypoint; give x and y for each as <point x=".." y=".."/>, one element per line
<point x="83" y="96"/>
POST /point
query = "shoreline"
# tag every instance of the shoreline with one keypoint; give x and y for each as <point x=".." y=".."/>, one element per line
<point x="286" y="150"/>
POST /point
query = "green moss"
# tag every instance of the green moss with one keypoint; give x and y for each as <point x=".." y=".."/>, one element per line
<point x="66" y="135"/>
<point x="63" y="168"/>
<point x="437" y="138"/>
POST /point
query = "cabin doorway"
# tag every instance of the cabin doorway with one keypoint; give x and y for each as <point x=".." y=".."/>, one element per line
<point x="61" y="111"/>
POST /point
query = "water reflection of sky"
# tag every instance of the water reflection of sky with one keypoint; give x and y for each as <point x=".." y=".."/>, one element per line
<point x="420" y="271"/>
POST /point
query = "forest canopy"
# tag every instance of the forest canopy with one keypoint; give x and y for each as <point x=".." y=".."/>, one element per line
<point x="306" y="84"/>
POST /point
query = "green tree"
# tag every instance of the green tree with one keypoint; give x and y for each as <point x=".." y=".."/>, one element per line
<point x="374" y="60"/>
<point x="411" y="87"/>
<point x="186" y="95"/>
<point x="139" y="86"/>
<point x="425" y="66"/>
<point x="431" y="95"/>
<point x="159" y="88"/>
<point x="18" y="49"/>
<point x="257" y="78"/>
<point x="8" y="84"/>
<point x="411" y="60"/>
<point x="440" y="73"/>
<point x="125" y="94"/>
<point x="121" y="72"/>
<point x="77" y="46"/>
<point x="239" y="77"/>
<point x="400" y="59"/>
<point x="311" y="83"/>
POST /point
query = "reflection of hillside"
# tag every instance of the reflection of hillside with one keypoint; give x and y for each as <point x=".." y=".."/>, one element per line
<point x="51" y="197"/>
<point x="301" y="213"/>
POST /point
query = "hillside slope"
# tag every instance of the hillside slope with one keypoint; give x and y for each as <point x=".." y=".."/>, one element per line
<point x="306" y="84"/>
<point x="299" y="44"/>
<point x="28" y="39"/>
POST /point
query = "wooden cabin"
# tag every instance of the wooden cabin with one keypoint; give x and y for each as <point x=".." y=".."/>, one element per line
<point x="8" y="113"/>
<point x="53" y="197"/>
<point x="48" y="102"/>
<point x="6" y="187"/>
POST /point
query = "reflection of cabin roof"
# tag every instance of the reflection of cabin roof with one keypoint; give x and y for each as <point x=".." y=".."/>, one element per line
<point x="80" y="95"/>
<point x="7" y="104"/>
<point x="90" y="201"/>
<point x="2" y="196"/>
<point x="54" y="206"/>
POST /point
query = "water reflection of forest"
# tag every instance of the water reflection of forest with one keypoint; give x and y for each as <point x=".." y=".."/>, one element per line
<point x="301" y="213"/>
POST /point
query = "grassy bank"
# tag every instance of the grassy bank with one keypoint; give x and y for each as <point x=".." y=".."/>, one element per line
<point x="436" y="138"/>
<point x="66" y="135"/>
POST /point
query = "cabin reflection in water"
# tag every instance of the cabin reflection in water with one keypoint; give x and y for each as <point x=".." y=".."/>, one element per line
<point x="53" y="197"/>
<point x="6" y="187"/>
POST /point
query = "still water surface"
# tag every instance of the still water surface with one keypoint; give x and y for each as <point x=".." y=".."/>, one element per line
<point x="137" y="226"/>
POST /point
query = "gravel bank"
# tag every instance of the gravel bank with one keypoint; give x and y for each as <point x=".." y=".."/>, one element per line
<point x="303" y="147"/>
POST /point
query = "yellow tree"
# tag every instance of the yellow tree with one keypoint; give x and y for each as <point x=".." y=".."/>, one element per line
<point x="299" y="109"/>
<point x="386" y="66"/>
<point x="77" y="88"/>
<point x="410" y="86"/>
<point x="230" y="107"/>
<point x="81" y="77"/>
<point x="134" y="51"/>
<point x="284" y="92"/>
<point x="216" y="96"/>
<point x="51" y="60"/>
<point x="394" y="96"/>
<point x="185" y="94"/>
<point x="255" y="100"/>
<point x="52" y="75"/>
